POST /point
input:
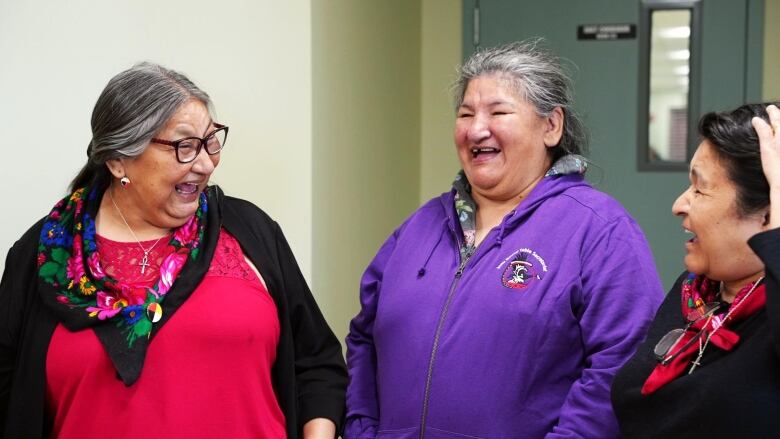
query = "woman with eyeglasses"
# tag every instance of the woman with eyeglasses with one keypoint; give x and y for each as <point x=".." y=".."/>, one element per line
<point x="149" y="304"/>
<point x="710" y="366"/>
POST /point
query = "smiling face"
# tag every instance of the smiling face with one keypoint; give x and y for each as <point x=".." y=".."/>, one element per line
<point x="502" y="143"/>
<point x="163" y="193"/>
<point x="708" y="208"/>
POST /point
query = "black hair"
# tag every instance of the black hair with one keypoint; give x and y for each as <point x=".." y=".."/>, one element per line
<point x="735" y="141"/>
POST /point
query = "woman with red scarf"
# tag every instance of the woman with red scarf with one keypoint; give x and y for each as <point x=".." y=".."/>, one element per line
<point x="710" y="366"/>
<point x="149" y="304"/>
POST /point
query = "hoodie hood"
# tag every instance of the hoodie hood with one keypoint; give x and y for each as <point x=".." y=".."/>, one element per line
<point x="565" y="173"/>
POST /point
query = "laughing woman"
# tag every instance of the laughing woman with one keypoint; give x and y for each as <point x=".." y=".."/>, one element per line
<point x="503" y="308"/>
<point x="148" y="304"/>
<point x="710" y="366"/>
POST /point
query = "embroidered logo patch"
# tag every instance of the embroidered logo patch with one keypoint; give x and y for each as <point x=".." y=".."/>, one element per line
<point x="523" y="268"/>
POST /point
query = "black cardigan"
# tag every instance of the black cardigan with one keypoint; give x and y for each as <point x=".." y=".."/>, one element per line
<point x="733" y="394"/>
<point x="309" y="376"/>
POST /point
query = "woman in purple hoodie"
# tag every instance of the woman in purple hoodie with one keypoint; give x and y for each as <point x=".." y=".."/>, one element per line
<point x="504" y="307"/>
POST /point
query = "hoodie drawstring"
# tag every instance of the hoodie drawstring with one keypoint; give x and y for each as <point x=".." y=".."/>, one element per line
<point x="500" y="238"/>
<point x="421" y="271"/>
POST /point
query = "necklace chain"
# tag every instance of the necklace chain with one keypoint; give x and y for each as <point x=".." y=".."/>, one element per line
<point x="702" y="346"/>
<point x="145" y="260"/>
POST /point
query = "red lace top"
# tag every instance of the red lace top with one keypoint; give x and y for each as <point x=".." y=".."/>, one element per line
<point x="207" y="372"/>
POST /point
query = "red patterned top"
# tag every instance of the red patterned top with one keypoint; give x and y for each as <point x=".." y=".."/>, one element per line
<point x="207" y="373"/>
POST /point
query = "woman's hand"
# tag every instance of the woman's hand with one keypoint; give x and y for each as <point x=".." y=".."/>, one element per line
<point x="769" y="139"/>
<point x="319" y="428"/>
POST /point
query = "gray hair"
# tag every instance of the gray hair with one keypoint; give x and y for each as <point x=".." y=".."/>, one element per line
<point x="538" y="77"/>
<point x="134" y="105"/>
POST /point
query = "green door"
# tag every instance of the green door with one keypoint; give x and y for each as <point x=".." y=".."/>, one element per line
<point x="607" y="90"/>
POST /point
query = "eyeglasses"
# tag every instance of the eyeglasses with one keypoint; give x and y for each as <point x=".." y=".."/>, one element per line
<point x="663" y="349"/>
<point x="189" y="147"/>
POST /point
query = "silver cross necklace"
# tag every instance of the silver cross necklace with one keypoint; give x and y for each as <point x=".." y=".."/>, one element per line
<point x="697" y="362"/>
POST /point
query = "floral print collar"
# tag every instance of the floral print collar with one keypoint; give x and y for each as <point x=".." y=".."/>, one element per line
<point x="466" y="208"/>
<point x="76" y="288"/>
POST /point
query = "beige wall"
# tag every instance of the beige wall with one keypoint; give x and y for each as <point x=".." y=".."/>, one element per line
<point x="441" y="53"/>
<point x="340" y="112"/>
<point x="771" y="51"/>
<point x="366" y="134"/>
<point x="340" y="116"/>
<point x="254" y="58"/>
<point x="329" y="103"/>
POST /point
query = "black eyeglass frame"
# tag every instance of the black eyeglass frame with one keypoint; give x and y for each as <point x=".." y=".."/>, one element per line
<point x="202" y="141"/>
<point x="665" y="358"/>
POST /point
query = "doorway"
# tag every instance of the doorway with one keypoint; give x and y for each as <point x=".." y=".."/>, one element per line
<point x="609" y="97"/>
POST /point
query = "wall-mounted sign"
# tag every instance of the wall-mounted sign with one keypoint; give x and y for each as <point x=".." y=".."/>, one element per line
<point x="606" y="32"/>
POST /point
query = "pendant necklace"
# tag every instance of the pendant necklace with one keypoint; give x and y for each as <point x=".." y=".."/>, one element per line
<point x="145" y="260"/>
<point x="702" y="346"/>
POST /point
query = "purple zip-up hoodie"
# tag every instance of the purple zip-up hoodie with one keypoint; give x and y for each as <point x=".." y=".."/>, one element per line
<point x="520" y="341"/>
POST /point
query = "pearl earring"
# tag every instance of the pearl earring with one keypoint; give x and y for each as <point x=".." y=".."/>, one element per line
<point x="124" y="181"/>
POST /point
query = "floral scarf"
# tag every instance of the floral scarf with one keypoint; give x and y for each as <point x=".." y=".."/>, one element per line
<point x="466" y="207"/>
<point x="81" y="294"/>
<point x="697" y="291"/>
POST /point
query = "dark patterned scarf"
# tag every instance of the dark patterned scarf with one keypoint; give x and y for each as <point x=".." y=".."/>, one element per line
<point x="82" y="295"/>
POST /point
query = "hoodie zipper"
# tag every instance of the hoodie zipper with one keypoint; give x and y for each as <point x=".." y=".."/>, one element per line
<point x="436" y="337"/>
